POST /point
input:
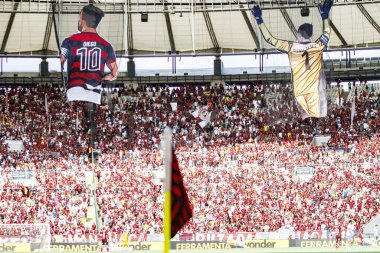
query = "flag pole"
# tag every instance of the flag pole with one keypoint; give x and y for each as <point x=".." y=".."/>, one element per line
<point x="167" y="187"/>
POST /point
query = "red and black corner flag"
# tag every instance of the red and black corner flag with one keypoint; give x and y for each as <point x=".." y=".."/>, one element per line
<point x="181" y="210"/>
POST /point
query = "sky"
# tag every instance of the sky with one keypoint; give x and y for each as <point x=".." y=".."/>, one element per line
<point x="185" y="63"/>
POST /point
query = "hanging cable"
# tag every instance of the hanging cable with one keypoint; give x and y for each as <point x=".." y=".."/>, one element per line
<point x="192" y="25"/>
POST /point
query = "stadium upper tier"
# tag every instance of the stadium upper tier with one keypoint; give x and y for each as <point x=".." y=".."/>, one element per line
<point x="239" y="169"/>
<point x="182" y="26"/>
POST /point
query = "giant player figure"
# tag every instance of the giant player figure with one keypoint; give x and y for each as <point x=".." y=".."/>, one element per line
<point x="87" y="54"/>
<point x="305" y="56"/>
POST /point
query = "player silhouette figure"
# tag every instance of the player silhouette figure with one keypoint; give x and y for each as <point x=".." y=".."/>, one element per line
<point x="305" y="57"/>
<point x="87" y="54"/>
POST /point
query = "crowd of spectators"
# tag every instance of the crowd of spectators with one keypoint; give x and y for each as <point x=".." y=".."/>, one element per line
<point x="248" y="187"/>
<point x="56" y="197"/>
<point x="239" y="170"/>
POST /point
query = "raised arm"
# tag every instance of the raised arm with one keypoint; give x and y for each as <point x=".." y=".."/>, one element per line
<point x="324" y="10"/>
<point x="281" y="45"/>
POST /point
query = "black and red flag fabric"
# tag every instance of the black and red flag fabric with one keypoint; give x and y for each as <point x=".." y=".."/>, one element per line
<point x="181" y="210"/>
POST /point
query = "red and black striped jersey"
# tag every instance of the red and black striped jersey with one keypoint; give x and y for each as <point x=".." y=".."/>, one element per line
<point x="86" y="55"/>
<point x="103" y="234"/>
<point x="338" y="230"/>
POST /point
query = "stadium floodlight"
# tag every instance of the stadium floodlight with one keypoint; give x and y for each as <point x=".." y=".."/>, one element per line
<point x="144" y="17"/>
<point x="305" y="12"/>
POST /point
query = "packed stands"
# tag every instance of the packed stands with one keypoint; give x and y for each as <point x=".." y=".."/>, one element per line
<point x="239" y="169"/>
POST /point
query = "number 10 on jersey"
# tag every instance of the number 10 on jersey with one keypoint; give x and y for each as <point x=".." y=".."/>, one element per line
<point x="89" y="58"/>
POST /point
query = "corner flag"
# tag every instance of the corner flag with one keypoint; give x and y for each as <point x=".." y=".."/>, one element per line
<point x="177" y="208"/>
<point x="181" y="210"/>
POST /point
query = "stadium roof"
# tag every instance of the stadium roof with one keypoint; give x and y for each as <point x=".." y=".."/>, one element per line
<point x="181" y="26"/>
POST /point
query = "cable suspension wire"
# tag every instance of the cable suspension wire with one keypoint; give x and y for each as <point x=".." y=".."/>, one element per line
<point x="192" y="25"/>
<point x="57" y="39"/>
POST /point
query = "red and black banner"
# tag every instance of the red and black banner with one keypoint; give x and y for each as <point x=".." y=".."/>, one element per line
<point x="181" y="210"/>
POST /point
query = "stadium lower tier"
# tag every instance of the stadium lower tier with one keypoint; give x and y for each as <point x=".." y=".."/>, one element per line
<point x="242" y="188"/>
<point x="244" y="171"/>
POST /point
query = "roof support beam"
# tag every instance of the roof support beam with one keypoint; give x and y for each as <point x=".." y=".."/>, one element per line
<point x="369" y="17"/>
<point x="127" y="20"/>
<point x="58" y="42"/>
<point x="211" y="31"/>
<point x="250" y="28"/>
<point x="156" y="6"/>
<point x="336" y="31"/>
<point x="9" y="27"/>
<point x="289" y="21"/>
<point x="170" y="32"/>
<point x="49" y="25"/>
<point x="129" y="34"/>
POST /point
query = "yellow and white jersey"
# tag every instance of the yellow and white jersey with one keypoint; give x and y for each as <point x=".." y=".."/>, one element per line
<point x="306" y="62"/>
